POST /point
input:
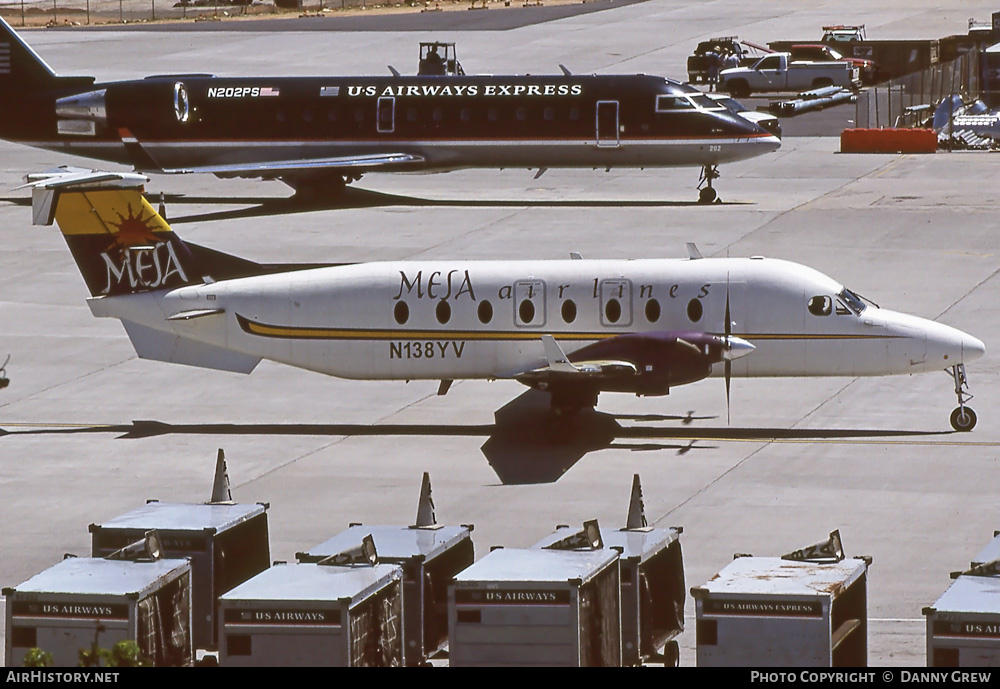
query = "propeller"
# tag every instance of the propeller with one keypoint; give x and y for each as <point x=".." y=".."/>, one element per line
<point x="732" y="348"/>
<point x="728" y="346"/>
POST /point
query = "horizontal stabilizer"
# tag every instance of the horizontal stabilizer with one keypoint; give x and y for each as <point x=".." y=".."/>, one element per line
<point x="162" y="346"/>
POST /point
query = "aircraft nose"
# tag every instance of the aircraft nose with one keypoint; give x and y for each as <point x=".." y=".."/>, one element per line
<point x="949" y="346"/>
<point x="737" y="347"/>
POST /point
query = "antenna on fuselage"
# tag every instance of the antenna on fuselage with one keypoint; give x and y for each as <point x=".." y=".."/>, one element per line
<point x="395" y="72"/>
<point x="564" y="70"/>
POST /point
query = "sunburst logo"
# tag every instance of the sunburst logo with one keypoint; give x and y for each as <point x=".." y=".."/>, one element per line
<point x="134" y="231"/>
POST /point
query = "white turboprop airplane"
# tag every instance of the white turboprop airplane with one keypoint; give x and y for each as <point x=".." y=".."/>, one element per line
<point x="573" y="328"/>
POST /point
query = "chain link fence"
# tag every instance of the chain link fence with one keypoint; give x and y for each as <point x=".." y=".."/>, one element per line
<point x="907" y="101"/>
<point x="87" y="12"/>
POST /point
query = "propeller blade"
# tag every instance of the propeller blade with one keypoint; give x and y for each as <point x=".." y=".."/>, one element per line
<point x="728" y="345"/>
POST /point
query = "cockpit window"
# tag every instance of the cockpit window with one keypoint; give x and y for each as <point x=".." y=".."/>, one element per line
<point x="667" y="103"/>
<point x="821" y="305"/>
<point x="703" y="101"/>
<point x="851" y="301"/>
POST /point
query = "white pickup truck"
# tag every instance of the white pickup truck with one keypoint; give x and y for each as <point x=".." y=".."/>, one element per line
<point x="778" y="72"/>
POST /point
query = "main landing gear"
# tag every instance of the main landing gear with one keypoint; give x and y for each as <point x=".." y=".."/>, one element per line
<point x="707" y="193"/>
<point x="963" y="419"/>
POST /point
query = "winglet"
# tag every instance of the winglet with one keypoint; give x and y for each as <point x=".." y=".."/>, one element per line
<point x="555" y="355"/>
<point x="693" y="252"/>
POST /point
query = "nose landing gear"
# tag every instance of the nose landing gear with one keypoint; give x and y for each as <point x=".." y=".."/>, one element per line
<point x="963" y="419"/>
<point x="707" y="193"/>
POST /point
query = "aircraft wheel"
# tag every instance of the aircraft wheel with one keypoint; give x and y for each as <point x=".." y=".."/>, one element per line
<point x="671" y="655"/>
<point x="707" y="195"/>
<point x="963" y="419"/>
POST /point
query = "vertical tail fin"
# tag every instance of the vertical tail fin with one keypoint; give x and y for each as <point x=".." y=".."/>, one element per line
<point x="118" y="240"/>
<point x="20" y="66"/>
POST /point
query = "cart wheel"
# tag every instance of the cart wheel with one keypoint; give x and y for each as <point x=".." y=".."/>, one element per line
<point x="671" y="654"/>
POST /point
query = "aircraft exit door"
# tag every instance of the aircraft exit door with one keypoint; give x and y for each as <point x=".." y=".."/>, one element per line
<point x="607" y="124"/>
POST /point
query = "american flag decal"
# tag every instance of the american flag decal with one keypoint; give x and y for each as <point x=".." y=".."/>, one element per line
<point x="4" y="57"/>
<point x="269" y="92"/>
<point x="329" y="91"/>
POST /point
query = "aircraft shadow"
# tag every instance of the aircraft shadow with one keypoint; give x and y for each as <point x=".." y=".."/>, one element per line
<point x="525" y="445"/>
<point x="357" y="198"/>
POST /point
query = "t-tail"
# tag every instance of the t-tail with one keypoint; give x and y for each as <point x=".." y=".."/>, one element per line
<point x="120" y="243"/>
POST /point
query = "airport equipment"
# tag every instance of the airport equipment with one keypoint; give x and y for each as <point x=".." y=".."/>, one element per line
<point x="439" y="59"/>
<point x="536" y="607"/>
<point x="314" y="615"/>
<point x="652" y="584"/>
<point x="963" y="626"/>
<point x="430" y="556"/>
<point x="227" y="544"/>
<point x="85" y="602"/>
<point x="777" y="612"/>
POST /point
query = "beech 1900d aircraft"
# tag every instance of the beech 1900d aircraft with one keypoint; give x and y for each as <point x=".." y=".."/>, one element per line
<point x="318" y="133"/>
<point x="573" y="328"/>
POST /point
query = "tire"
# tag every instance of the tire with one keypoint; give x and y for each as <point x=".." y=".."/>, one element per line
<point x="707" y="195"/>
<point x="671" y="654"/>
<point x="738" y="88"/>
<point x="963" y="423"/>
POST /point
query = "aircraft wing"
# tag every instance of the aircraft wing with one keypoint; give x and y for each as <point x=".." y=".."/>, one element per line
<point x="354" y="163"/>
<point x="559" y="370"/>
<point x="645" y="363"/>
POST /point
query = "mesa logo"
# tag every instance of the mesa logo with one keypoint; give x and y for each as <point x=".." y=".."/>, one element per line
<point x="242" y="92"/>
<point x="138" y="258"/>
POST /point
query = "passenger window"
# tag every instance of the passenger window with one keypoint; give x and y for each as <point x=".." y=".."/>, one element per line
<point x="411" y="114"/>
<point x="332" y="114"/>
<point x="550" y="114"/>
<point x="401" y="312"/>
<point x="820" y="306"/>
<point x="568" y="311"/>
<point x="443" y="312"/>
<point x="613" y="310"/>
<point x="574" y="114"/>
<point x="526" y="311"/>
<point x="652" y="310"/>
<point x="466" y="114"/>
<point x="438" y="114"/>
<point x="493" y="115"/>
<point x="521" y="114"/>
<point x="695" y="310"/>
<point x="359" y="115"/>
<point x="485" y="312"/>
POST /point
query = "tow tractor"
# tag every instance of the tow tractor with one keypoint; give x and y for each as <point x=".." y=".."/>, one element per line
<point x="439" y="59"/>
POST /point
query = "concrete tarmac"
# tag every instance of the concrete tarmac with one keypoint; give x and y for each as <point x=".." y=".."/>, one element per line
<point x="90" y="431"/>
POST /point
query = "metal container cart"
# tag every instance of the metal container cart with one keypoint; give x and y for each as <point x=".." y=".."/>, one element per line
<point x="963" y="626"/>
<point x="314" y="615"/>
<point x="536" y="608"/>
<point x="430" y="555"/>
<point x="84" y="602"/>
<point x="227" y="544"/>
<point x="776" y="612"/>
<point x="652" y="584"/>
